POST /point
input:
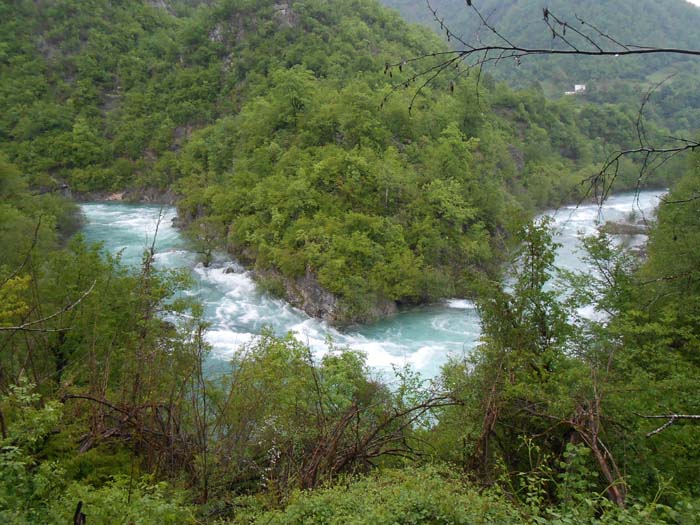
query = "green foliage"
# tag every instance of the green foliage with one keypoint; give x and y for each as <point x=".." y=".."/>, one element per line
<point x="34" y="489"/>
<point x="426" y="495"/>
<point x="275" y="128"/>
<point x="437" y="495"/>
<point x="622" y="81"/>
<point x="124" y="501"/>
<point x="396" y="201"/>
<point x="546" y="378"/>
<point x="288" y="421"/>
<point x="659" y="327"/>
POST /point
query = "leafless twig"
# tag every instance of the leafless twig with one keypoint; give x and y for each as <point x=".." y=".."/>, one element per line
<point x="672" y="418"/>
<point x="588" y="40"/>
<point x="31" y="325"/>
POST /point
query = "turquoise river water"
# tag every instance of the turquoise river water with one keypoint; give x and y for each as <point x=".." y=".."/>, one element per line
<point x="423" y="337"/>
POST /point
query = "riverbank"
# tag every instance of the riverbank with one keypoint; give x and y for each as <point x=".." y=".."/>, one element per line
<point x="306" y="293"/>
<point x="130" y="196"/>
<point x="238" y="310"/>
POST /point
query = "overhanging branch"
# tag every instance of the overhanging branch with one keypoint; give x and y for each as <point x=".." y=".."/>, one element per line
<point x="671" y="419"/>
<point x="577" y="37"/>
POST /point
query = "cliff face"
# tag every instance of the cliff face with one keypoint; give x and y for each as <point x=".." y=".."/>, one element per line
<point x="307" y="294"/>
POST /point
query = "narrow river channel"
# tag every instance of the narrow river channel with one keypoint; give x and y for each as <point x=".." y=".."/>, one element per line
<point x="423" y="337"/>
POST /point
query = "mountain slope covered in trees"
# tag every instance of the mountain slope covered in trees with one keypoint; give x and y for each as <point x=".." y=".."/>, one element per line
<point x="667" y="23"/>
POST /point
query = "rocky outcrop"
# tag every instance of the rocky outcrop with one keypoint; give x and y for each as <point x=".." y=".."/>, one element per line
<point x="284" y="14"/>
<point x="304" y="292"/>
<point x="307" y="294"/>
<point x="161" y="4"/>
<point x="518" y="157"/>
<point x="624" y="228"/>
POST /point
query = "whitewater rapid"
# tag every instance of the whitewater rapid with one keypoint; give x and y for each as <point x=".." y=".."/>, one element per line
<point x="237" y="311"/>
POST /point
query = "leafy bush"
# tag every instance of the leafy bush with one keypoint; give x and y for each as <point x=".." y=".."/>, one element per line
<point x="411" y="496"/>
<point x="35" y="490"/>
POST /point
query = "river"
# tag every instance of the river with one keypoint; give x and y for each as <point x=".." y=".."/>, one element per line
<point x="423" y="337"/>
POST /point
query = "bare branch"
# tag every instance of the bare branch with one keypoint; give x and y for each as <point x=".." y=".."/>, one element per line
<point x="486" y="54"/>
<point x="588" y="40"/>
<point x="601" y="184"/>
<point x="672" y="418"/>
<point x="30" y="326"/>
<point x="27" y="257"/>
<point x="681" y="201"/>
<point x="601" y="33"/>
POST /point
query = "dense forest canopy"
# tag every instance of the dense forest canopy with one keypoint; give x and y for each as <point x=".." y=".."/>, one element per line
<point x="265" y="120"/>
<point x="667" y="23"/>
<point x="281" y="137"/>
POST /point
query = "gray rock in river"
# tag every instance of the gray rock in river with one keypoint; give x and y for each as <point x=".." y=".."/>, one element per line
<point x="307" y="294"/>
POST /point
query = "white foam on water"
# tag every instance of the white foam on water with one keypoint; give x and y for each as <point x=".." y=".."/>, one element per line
<point x="226" y="343"/>
<point x="315" y="333"/>
<point x="427" y="355"/>
<point x="227" y="310"/>
<point x="174" y="258"/>
<point x="251" y="314"/>
<point x="172" y="253"/>
<point x="448" y="324"/>
<point x="460" y="304"/>
<point x="236" y="284"/>
<point x="588" y="217"/>
<point x="238" y="311"/>
<point x="382" y="354"/>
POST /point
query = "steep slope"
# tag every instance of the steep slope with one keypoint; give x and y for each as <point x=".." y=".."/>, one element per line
<point x="119" y="86"/>
<point x="671" y="23"/>
<point x="668" y="23"/>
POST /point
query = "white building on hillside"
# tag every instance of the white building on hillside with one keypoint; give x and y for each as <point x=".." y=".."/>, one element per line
<point x="579" y="89"/>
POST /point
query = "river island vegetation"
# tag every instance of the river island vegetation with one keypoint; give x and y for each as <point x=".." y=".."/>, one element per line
<point x="276" y="130"/>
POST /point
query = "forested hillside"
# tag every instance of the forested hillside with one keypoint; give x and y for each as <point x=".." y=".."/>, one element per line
<point x="666" y="23"/>
<point x="270" y="122"/>
<point x="284" y="138"/>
